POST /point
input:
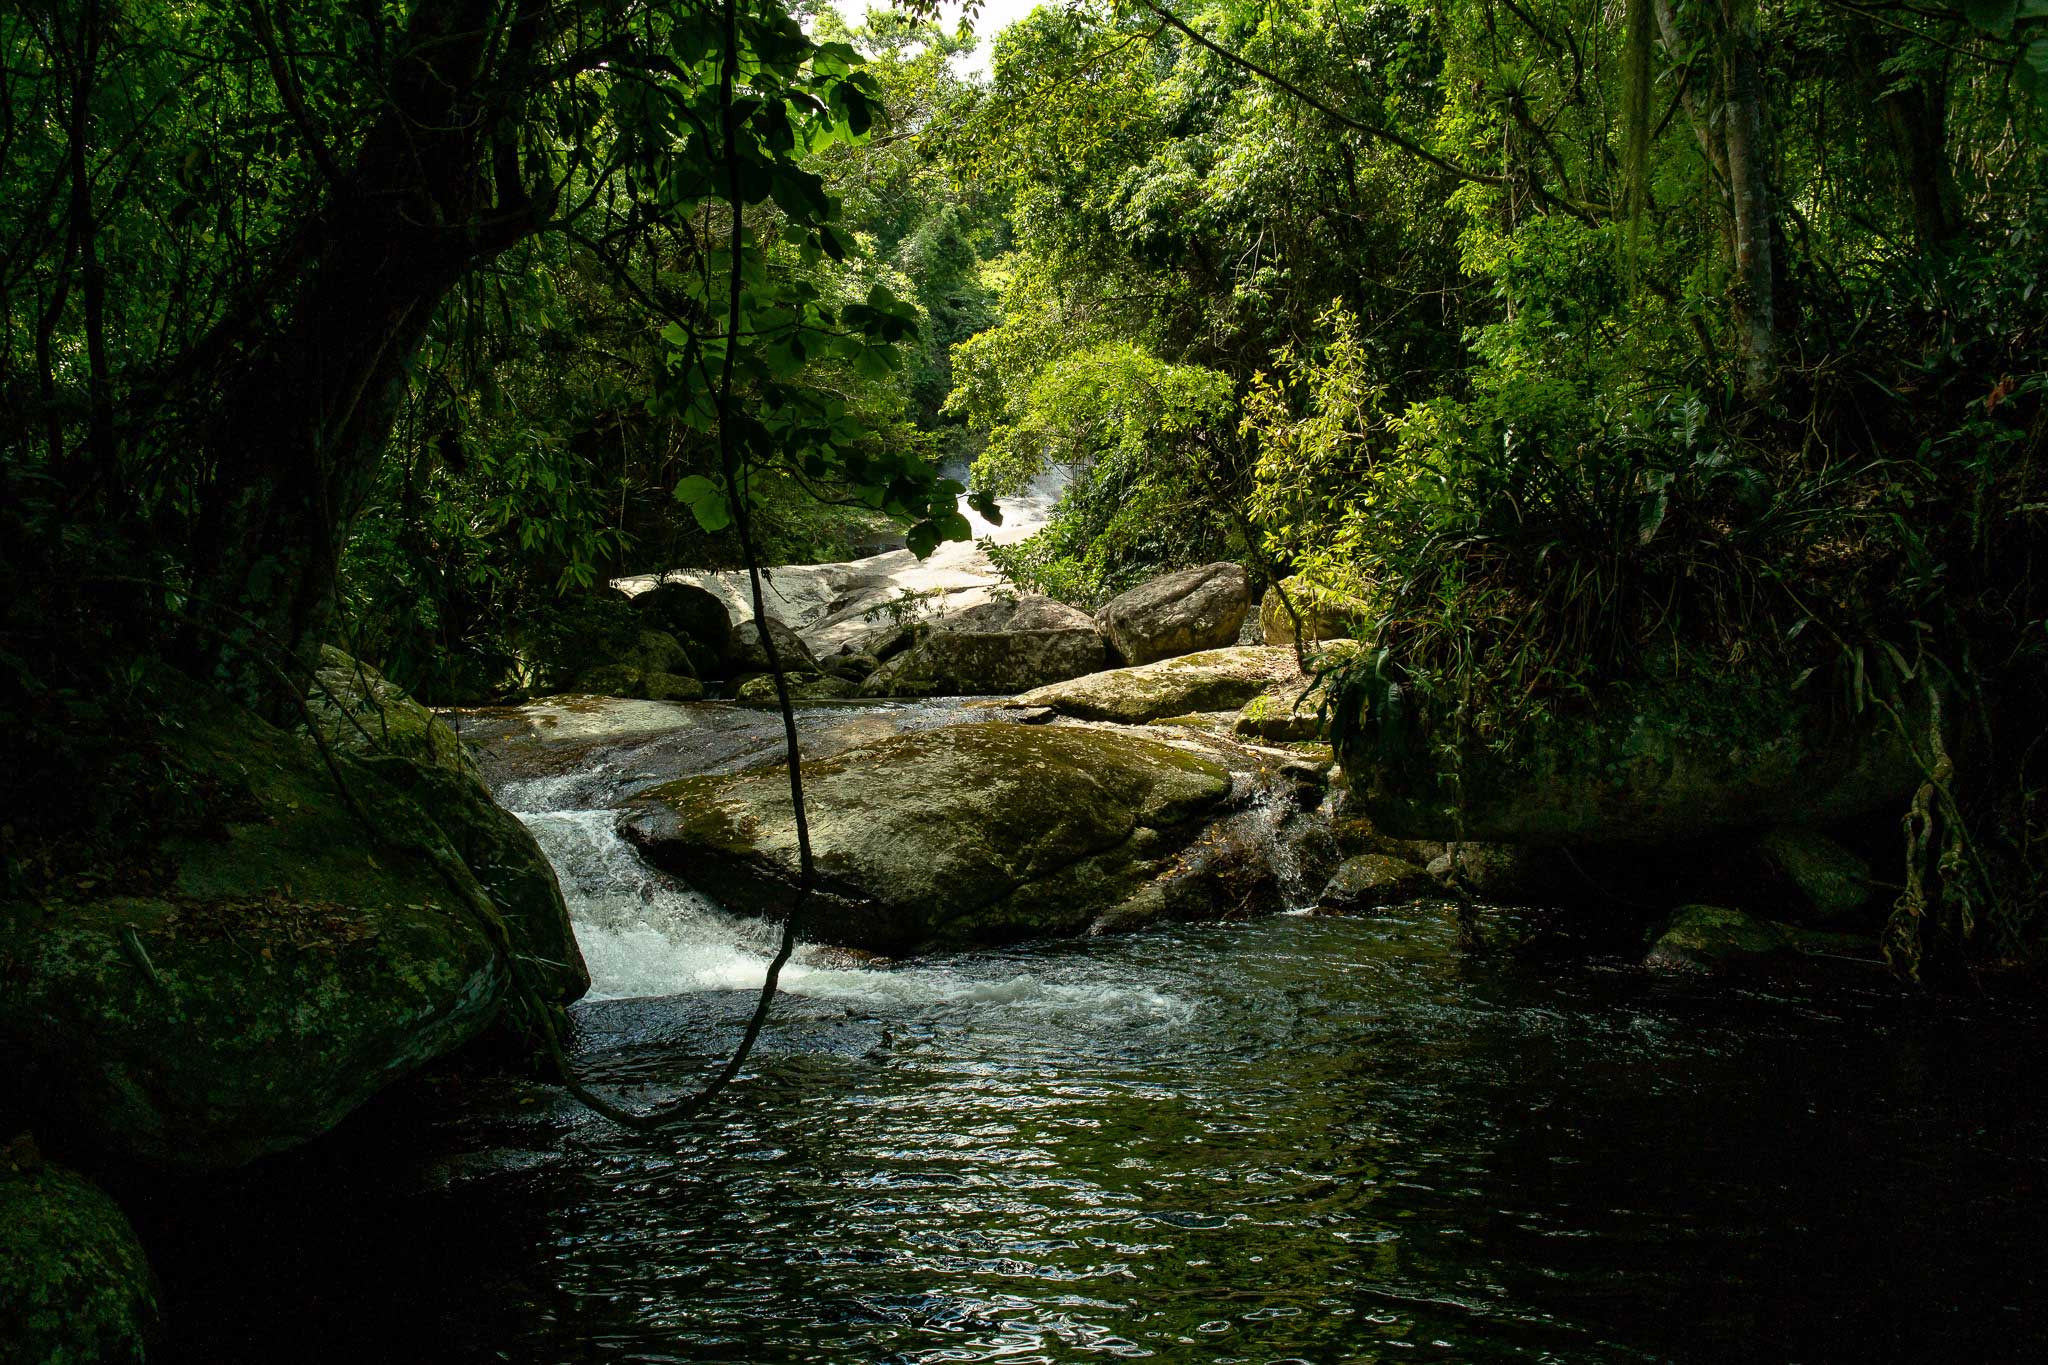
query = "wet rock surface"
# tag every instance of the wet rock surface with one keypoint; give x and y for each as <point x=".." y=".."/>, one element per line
<point x="981" y="832"/>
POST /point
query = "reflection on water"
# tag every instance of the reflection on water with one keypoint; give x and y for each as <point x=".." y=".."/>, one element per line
<point x="1297" y="1139"/>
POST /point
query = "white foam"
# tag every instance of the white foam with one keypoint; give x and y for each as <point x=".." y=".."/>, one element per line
<point x="645" y="934"/>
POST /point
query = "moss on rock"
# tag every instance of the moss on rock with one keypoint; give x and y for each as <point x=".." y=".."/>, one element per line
<point x="976" y="833"/>
<point x="243" y="980"/>
<point x="1213" y="680"/>
<point x="75" y="1287"/>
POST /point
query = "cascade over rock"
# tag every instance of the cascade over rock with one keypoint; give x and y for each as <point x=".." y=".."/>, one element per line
<point x="977" y="833"/>
<point x="1177" y="613"/>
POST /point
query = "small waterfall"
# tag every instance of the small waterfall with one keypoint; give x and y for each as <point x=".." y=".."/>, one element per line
<point x="644" y="933"/>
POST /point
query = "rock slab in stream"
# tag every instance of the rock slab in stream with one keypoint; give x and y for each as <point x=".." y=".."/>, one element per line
<point x="74" y="1285"/>
<point x="994" y="649"/>
<point x="1178" y="613"/>
<point x="978" y="833"/>
<point x="1214" y="680"/>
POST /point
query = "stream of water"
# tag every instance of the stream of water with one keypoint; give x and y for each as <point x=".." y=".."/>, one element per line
<point x="1297" y="1139"/>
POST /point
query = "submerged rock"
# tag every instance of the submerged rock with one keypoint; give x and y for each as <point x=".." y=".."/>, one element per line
<point x="74" y="1284"/>
<point x="1374" y="879"/>
<point x="973" y="834"/>
<point x="993" y="649"/>
<point x="1214" y="680"/>
<point x="248" y="973"/>
<point x="1178" y="613"/>
<point x="1714" y="938"/>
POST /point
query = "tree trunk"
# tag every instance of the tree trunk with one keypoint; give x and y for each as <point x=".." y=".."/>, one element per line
<point x="303" y="413"/>
<point x="1750" y="207"/>
<point x="1915" y="113"/>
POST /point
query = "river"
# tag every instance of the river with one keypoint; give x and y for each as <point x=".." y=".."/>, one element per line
<point x="1296" y="1139"/>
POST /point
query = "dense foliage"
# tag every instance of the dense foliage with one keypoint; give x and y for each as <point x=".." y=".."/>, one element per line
<point x="1590" y="345"/>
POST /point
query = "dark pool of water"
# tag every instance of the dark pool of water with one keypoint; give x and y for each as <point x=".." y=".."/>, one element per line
<point x="1296" y="1139"/>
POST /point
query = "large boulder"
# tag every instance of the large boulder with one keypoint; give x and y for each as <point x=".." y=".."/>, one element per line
<point x="1645" y="766"/>
<point x="696" y="618"/>
<point x="1214" y="680"/>
<point x="1179" y="613"/>
<point x="358" y="709"/>
<point x="266" y="952"/>
<point x="977" y="833"/>
<point x="1324" y="613"/>
<point x="654" y="667"/>
<point x="747" y="656"/>
<point x="993" y="649"/>
<point x="507" y="862"/>
<point x="1807" y="875"/>
<point x="74" y="1285"/>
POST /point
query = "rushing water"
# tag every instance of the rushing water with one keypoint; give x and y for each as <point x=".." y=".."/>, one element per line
<point x="1298" y="1139"/>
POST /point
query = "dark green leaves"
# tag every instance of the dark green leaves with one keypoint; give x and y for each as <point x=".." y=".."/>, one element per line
<point x="706" y="501"/>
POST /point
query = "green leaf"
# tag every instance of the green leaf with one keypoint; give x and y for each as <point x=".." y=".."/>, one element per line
<point x="1993" y="16"/>
<point x="922" y="539"/>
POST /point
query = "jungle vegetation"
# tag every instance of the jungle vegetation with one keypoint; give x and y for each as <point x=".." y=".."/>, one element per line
<point x="1589" y="343"/>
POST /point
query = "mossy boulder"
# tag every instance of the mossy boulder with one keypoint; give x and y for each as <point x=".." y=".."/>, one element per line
<point x="747" y="656"/>
<point x="358" y="709"/>
<point x="697" y="619"/>
<point x="75" y="1287"/>
<point x="502" y="854"/>
<point x="1325" y="613"/>
<point x="1647" y="765"/>
<point x="994" y="649"/>
<point x="973" y="834"/>
<point x="631" y="681"/>
<point x="1213" y="680"/>
<point x="1809" y="876"/>
<point x="802" y="687"/>
<point x="1176" y="613"/>
<point x="240" y="979"/>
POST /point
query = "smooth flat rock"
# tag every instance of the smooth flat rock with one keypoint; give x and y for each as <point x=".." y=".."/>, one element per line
<point x="1213" y="680"/>
<point x="977" y="833"/>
